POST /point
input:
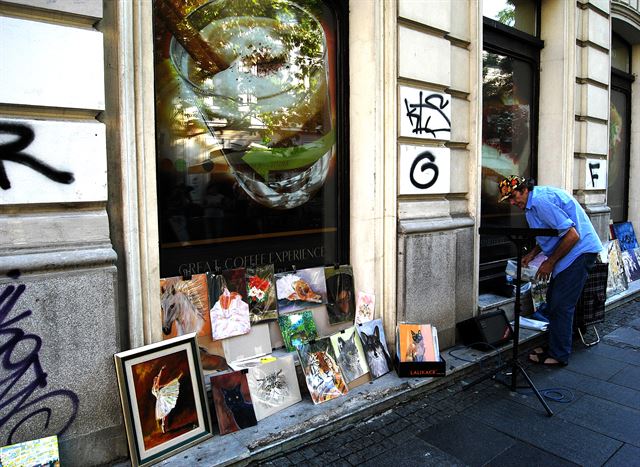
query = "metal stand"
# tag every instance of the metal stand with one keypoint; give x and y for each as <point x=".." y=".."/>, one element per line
<point x="517" y="236"/>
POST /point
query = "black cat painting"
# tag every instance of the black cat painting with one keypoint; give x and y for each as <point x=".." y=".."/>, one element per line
<point x="232" y="401"/>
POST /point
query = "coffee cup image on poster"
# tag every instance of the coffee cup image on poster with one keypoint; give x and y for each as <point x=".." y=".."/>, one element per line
<point x="258" y="81"/>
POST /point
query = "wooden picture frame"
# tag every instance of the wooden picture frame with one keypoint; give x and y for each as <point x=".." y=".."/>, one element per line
<point x="163" y="397"/>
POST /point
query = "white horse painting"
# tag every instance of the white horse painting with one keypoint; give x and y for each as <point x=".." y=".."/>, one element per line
<point x="180" y="304"/>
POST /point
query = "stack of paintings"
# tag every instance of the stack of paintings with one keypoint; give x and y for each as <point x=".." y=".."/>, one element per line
<point x="616" y="278"/>
<point x="417" y="351"/>
<point x="625" y="235"/>
<point x="229" y="314"/>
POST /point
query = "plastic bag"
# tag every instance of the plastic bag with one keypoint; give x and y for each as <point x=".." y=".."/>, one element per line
<point x="528" y="273"/>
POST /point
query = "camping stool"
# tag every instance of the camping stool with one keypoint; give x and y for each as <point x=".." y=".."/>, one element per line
<point x="591" y="305"/>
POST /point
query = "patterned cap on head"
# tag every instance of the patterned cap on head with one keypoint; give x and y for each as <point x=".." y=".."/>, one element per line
<point x="507" y="185"/>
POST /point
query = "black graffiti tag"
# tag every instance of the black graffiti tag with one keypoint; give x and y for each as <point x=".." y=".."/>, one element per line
<point x="12" y="152"/>
<point x="415" y="113"/>
<point x="594" y="176"/>
<point x="423" y="168"/>
<point x="20" y="379"/>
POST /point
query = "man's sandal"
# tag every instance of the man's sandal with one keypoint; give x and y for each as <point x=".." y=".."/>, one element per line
<point x="537" y="351"/>
<point x="545" y="359"/>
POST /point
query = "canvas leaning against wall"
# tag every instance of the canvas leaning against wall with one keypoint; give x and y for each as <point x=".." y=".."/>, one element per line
<point x="163" y="398"/>
<point x="375" y="348"/>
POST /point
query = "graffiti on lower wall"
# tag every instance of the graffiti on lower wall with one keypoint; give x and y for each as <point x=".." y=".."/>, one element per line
<point x="23" y="380"/>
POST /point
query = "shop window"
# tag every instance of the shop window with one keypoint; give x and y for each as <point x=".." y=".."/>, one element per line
<point x="619" y="130"/>
<point x="251" y="139"/>
<point x="510" y="77"/>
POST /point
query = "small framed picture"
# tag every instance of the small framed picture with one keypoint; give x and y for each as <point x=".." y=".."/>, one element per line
<point x="163" y="398"/>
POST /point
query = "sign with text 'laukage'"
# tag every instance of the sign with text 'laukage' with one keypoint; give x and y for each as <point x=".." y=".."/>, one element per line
<point x="424" y="114"/>
<point x="424" y="170"/>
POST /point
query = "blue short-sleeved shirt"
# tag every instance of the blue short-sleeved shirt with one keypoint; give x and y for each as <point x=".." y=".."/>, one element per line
<point x="553" y="208"/>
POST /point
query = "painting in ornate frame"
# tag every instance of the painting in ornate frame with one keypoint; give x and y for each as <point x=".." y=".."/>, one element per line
<point x="163" y="398"/>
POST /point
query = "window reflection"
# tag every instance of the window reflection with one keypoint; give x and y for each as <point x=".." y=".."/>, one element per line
<point x="506" y="138"/>
<point x="518" y="14"/>
<point x="618" y="157"/>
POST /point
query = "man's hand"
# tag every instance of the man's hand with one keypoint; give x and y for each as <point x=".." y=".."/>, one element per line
<point x="545" y="270"/>
<point x="526" y="259"/>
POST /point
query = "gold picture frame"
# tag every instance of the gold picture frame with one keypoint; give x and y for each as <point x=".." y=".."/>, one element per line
<point x="163" y="398"/>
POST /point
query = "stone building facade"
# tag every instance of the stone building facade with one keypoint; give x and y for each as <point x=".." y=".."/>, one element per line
<point x="79" y="256"/>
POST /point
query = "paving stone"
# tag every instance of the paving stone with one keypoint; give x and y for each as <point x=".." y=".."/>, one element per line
<point x="593" y="386"/>
<point x="515" y="454"/>
<point x="472" y="443"/>
<point x="630" y="377"/>
<point x="552" y="434"/>
<point x="626" y="456"/>
<point x="608" y="418"/>
<point x="616" y="353"/>
<point x="593" y="365"/>
<point x="280" y="462"/>
<point x="415" y="452"/>
<point x="624" y="335"/>
<point x="634" y="323"/>
<point x="295" y="457"/>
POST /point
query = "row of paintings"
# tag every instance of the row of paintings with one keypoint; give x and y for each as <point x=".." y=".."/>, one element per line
<point x="227" y="304"/>
<point x="621" y="252"/>
<point x="245" y="302"/>
<point x="333" y="364"/>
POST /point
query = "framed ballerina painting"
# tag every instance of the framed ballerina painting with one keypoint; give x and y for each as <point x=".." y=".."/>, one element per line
<point x="163" y="398"/>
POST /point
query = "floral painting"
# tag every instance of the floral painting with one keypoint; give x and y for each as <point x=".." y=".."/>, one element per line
<point x="261" y="294"/>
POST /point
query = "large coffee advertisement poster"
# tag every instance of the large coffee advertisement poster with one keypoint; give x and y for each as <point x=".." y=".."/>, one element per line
<point x="250" y="134"/>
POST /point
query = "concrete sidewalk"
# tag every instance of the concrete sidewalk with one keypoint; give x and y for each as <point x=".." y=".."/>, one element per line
<point x="596" y="421"/>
